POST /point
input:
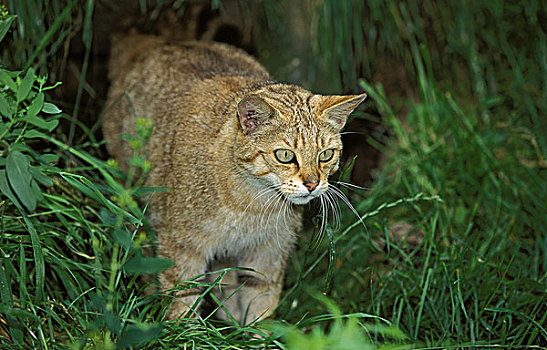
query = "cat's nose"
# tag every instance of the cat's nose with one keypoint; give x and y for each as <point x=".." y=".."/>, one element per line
<point x="311" y="185"/>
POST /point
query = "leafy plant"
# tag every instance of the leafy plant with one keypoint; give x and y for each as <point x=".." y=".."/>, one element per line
<point x="21" y="101"/>
<point x="346" y="331"/>
<point x="63" y="224"/>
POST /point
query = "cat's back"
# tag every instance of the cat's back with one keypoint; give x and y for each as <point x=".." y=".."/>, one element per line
<point x="182" y="86"/>
<point x="183" y="60"/>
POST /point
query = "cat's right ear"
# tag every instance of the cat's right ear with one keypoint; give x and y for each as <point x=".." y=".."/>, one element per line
<point x="252" y="112"/>
<point x="336" y="109"/>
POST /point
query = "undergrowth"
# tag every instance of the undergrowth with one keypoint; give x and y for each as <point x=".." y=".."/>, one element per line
<point x="450" y="248"/>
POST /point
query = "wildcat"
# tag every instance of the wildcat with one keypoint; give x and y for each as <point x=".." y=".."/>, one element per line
<point x="240" y="152"/>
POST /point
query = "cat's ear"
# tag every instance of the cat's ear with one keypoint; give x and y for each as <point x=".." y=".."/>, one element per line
<point x="336" y="109"/>
<point x="252" y="112"/>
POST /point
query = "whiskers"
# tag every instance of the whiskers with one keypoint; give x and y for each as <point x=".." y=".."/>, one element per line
<point x="329" y="204"/>
<point x="271" y="214"/>
<point x="273" y="207"/>
<point x="269" y="190"/>
<point x="350" y="186"/>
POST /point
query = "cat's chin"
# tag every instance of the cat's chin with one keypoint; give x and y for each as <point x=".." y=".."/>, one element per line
<point x="299" y="200"/>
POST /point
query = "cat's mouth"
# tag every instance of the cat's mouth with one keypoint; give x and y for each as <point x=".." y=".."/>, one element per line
<point x="302" y="195"/>
<point x="302" y="199"/>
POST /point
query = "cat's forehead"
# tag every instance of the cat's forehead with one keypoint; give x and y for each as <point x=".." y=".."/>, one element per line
<point x="308" y="136"/>
<point x="294" y="103"/>
<point x="288" y="99"/>
<point x="299" y="126"/>
<point x="303" y="131"/>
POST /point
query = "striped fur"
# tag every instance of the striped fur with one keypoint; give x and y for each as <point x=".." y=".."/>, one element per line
<point x="218" y="120"/>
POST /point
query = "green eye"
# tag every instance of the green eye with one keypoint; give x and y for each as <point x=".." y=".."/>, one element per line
<point x="326" y="155"/>
<point x="284" y="155"/>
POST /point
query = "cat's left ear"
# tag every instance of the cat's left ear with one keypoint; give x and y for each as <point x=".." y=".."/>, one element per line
<point x="252" y="112"/>
<point x="336" y="109"/>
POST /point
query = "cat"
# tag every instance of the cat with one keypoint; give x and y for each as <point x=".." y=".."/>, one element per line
<point x="241" y="154"/>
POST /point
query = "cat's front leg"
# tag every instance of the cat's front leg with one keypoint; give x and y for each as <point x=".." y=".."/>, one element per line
<point x="180" y="281"/>
<point x="261" y="287"/>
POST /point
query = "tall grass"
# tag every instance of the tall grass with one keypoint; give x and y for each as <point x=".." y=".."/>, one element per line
<point x="452" y="253"/>
<point x="470" y="130"/>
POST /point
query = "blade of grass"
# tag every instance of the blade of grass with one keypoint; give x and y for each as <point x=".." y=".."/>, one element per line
<point x="49" y="34"/>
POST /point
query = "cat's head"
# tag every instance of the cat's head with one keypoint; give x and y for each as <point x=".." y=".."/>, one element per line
<point x="289" y="139"/>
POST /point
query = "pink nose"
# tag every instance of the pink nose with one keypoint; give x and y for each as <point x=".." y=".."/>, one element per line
<point x="311" y="185"/>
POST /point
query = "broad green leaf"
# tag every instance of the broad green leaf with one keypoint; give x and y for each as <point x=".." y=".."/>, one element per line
<point x="50" y="108"/>
<point x="123" y="238"/>
<point x="40" y="177"/>
<point x="107" y="218"/>
<point x="19" y="177"/>
<point x="50" y="157"/>
<point x="41" y="123"/>
<point x="138" y="334"/>
<point x="36" y="105"/>
<point x="21" y="147"/>
<point x="98" y="301"/>
<point x="37" y="190"/>
<point x="7" y="80"/>
<point x="5" y="188"/>
<point x="4" y="26"/>
<point x="146" y="265"/>
<point x="113" y="322"/>
<point x="5" y="109"/>
<point x="32" y="134"/>
<point x="25" y="86"/>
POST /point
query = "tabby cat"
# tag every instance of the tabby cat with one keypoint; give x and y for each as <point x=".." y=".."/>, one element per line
<point x="241" y="154"/>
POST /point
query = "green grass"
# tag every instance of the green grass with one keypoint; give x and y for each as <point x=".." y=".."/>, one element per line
<point x="465" y="177"/>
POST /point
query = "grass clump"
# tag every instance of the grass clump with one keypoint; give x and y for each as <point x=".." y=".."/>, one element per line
<point x="468" y="269"/>
<point x="72" y="234"/>
<point x="70" y="255"/>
